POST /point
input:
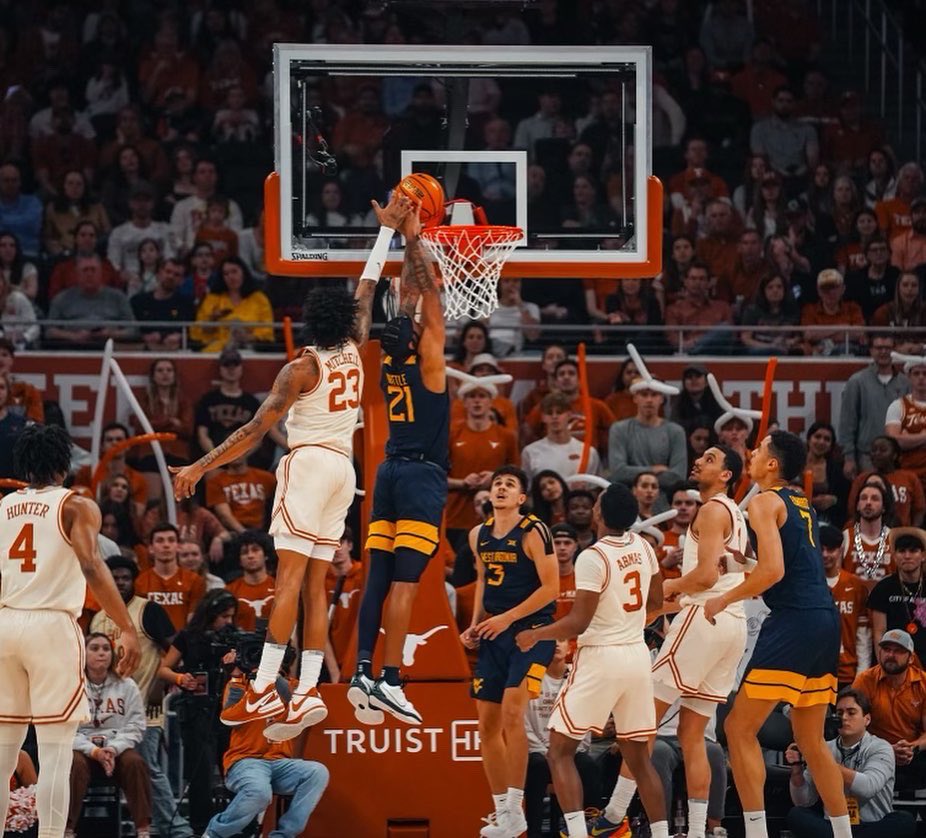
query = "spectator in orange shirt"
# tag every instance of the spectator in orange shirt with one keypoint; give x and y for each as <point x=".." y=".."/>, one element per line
<point x="176" y="589"/>
<point x="758" y="80"/>
<point x="343" y="585"/>
<point x="749" y="268"/>
<point x="897" y="689"/>
<point x="908" y="249"/>
<point x="24" y="398"/>
<point x="113" y="434"/>
<point x="566" y="547"/>
<point x="215" y="231"/>
<point x="905" y="485"/>
<point x="503" y="408"/>
<point x="566" y="381"/>
<point x="850" y="595"/>
<point x="552" y="354"/>
<point x="478" y="446"/>
<point x="696" y="154"/>
<point x="239" y="494"/>
<point x="256" y="769"/>
<point x="894" y="214"/>
<point x="254" y="588"/>
<point x="718" y="248"/>
<point x="168" y="71"/>
<point x="847" y="144"/>
<point x="697" y="309"/>
<point x="831" y="310"/>
<point x="686" y="502"/>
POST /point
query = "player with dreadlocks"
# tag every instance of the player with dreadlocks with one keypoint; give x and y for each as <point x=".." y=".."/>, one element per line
<point x="319" y="393"/>
<point x="48" y="555"/>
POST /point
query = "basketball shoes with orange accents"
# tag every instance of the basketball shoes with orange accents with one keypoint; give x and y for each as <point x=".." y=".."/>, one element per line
<point x="303" y="711"/>
<point x="254" y="706"/>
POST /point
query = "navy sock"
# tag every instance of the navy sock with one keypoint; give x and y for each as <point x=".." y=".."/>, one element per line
<point x="391" y="676"/>
<point x="365" y="666"/>
<point x="379" y="580"/>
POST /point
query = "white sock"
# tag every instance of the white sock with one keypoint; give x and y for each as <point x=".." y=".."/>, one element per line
<point x="575" y="824"/>
<point x="309" y="670"/>
<point x="514" y="799"/>
<point x="697" y="818"/>
<point x="501" y="804"/>
<point x="755" y="824"/>
<point x="271" y="659"/>
<point x="621" y="797"/>
<point x="841" y="827"/>
<point x="660" y="829"/>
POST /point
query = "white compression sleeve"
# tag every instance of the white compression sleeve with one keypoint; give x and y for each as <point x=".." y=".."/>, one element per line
<point x="11" y="740"/>
<point x="53" y="793"/>
<point x="377" y="258"/>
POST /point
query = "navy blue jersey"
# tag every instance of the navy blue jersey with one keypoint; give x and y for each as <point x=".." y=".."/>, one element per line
<point x="419" y="420"/>
<point x="510" y="575"/>
<point x="804" y="582"/>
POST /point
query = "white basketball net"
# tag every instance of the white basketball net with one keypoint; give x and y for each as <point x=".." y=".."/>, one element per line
<point x="470" y="259"/>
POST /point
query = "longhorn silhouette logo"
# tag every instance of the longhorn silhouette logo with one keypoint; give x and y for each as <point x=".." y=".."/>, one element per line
<point x="345" y="596"/>
<point x="413" y="642"/>
<point x="257" y="604"/>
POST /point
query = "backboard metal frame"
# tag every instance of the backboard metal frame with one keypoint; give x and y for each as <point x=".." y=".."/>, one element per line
<point x="642" y="260"/>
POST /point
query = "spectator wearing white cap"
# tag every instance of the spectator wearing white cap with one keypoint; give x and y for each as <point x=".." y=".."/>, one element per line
<point x="503" y="409"/>
<point x="647" y="442"/>
<point x="558" y="449"/>
<point x="897" y="690"/>
<point x="478" y="446"/>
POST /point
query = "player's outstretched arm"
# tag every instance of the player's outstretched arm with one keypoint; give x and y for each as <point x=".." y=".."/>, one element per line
<point x="538" y="545"/>
<point x="297" y="376"/>
<point x="766" y="515"/>
<point x="713" y="526"/>
<point x="82" y="520"/>
<point x="390" y="217"/>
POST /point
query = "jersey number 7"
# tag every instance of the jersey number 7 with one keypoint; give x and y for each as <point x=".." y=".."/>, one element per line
<point x="807" y="517"/>
<point x="23" y="549"/>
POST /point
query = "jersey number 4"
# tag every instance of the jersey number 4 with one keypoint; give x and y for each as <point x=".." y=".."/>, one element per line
<point x="345" y="390"/>
<point x="23" y="549"/>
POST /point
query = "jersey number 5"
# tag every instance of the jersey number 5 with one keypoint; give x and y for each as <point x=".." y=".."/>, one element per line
<point x="632" y="580"/>
<point x="23" y="549"/>
<point x="345" y="390"/>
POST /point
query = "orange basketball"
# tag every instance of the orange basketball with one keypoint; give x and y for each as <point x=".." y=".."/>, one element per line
<point x="426" y="191"/>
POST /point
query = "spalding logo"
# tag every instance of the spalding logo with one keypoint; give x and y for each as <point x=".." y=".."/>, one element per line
<point x="310" y="256"/>
<point x="409" y="186"/>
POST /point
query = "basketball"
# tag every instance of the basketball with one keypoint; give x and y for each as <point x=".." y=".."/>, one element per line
<point x="425" y="190"/>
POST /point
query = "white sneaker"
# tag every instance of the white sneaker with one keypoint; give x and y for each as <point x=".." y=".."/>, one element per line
<point x="303" y="710"/>
<point x="496" y="826"/>
<point x="517" y="823"/>
<point x="393" y="700"/>
<point x="358" y="694"/>
<point x="717" y="832"/>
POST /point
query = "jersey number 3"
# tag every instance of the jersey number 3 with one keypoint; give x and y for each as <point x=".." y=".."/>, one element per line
<point x="345" y="390"/>
<point x="23" y="549"/>
<point x="632" y="580"/>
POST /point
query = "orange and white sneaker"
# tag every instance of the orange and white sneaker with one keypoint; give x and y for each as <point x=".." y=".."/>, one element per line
<point x="304" y="711"/>
<point x="254" y="706"/>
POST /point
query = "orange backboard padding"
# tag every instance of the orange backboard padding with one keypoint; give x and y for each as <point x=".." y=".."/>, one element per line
<point x="395" y="772"/>
<point x="545" y="267"/>
<point x="433" y="651"/>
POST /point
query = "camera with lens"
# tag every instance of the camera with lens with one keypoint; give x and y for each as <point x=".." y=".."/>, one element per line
<point x="247" y="646"/>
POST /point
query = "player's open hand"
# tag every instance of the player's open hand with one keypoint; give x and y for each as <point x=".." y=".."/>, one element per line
<point x="492" y="627"/>
<point x="394" y="213"/>
<point x="713" y="607"/>
<point x="129" y="653"/>
<point x="525" y="639"/>
<point x="185" y="480"/>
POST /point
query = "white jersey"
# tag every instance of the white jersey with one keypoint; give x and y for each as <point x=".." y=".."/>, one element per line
<point x="327" y="415"/>
<point x="620" y="568"/>
<point x="737" y="540"/>
<point x="38" y="566"/>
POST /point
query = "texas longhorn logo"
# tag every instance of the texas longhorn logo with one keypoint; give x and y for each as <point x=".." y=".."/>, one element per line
<point x="413" y="641"/>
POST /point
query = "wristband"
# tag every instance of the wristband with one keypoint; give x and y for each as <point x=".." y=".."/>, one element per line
<point x="378" y="253"/>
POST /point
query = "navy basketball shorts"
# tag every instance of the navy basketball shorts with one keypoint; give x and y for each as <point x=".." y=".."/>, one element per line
<point x="502" y="665"/>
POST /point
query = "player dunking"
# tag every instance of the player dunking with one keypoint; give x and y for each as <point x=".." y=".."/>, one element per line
<point x="517" y="583"/>
<point x="797" y="651"/>
<point x="319" y="394"/>
<point x="48" y="555"/>
<point x="617" y="583"/>
<point x="411" y="485"/>
<point x="698" y="661"/>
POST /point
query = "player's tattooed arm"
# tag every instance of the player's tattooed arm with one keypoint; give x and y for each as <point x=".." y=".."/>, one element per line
<point x="364" y="295"/>
<point x="296" y="377"/>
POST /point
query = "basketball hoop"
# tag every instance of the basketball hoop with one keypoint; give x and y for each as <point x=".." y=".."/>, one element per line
<point x="470" y="259"/>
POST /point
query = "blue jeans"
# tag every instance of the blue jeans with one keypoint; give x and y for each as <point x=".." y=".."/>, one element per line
<point x="255" y="781"/>
<point x="168" y="822"/>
